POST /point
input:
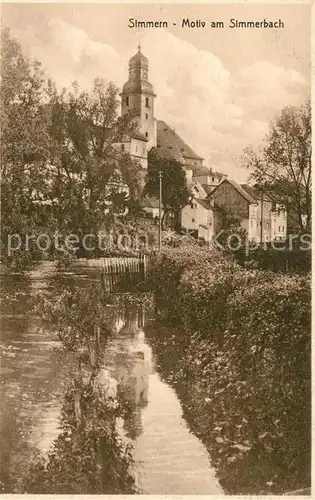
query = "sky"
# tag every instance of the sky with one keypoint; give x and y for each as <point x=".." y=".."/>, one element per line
<point x="219" y="88"/>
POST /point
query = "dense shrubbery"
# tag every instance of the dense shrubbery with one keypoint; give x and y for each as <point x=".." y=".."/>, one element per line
<point x="88" y="457"/>
<point x="243" y="367"/>
<point x="280" y="259"/>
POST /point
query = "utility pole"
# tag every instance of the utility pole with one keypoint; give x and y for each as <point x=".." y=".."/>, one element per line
<point x="160" y="211"/>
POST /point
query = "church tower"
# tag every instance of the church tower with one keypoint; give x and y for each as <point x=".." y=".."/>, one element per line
<point x="138" y="94"/>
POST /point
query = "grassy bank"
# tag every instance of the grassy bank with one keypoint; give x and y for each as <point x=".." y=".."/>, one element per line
<point x="241" y="364"/>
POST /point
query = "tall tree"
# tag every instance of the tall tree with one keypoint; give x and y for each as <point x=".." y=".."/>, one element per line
<point x="283" y="165"/>
<point x="175" y="194"/>
<point x="61" y="162"/>
<point x="98" y="175"/>
<point x="24" y="140"/>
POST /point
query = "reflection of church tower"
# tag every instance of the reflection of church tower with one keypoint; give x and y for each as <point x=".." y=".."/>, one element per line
<point x="133" y="367"/>
<point x="138" y="95"/>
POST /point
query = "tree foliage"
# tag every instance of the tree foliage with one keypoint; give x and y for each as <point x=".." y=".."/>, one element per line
<point x="100" y="177"/>
<point x="24" y="140"/>
<point x="175" y="194"/>
<point x="283" y="165"/>
<point x="61" y="154"/>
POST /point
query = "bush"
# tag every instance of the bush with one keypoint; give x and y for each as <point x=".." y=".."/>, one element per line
<point x="206" y="287"/>
<point x="245" y="370"/>
<point x="167" y="271"/>
<point x="283" y="260"/>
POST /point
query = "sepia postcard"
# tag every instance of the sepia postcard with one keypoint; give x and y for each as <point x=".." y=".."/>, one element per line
<point x="156" y="216"/>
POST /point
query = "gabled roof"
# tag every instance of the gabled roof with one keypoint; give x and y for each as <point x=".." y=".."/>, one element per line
<point x="250" y="199"/>
<point x="207" y="188"/>
<point x="255" y="193"/>
<point x="133" y="134"/>
<point x="169" y="139"/>
<point x="196" y="185"/>
<point x="204" y="203"/>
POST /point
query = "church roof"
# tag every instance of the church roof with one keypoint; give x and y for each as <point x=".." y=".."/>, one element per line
<point x="168" y="154"/>
<point x="138" y="59"/>
<point x="137" y="83"/>
<point x="138" y="86"/>
<point x="167" y="138"/>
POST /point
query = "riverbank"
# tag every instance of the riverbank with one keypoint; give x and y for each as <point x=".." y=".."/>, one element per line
<point x="241" y="360"/>
<point x="89" y="456"/>
<point x="73" y="366"/>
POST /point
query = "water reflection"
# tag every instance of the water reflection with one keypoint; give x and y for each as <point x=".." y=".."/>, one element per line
<point x="33" y="372"/>
<point x="168" y="458"/>
<point x="131" y="360"/>
<point x="36" y="371"/>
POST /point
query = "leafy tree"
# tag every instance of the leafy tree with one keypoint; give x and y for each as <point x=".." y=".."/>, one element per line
<point x="175" y="194"/>
<point x="24" y="140"/>
<point x="95" y="176"/>
<point x="283" y="165"/>
<point x="60" y="155"/>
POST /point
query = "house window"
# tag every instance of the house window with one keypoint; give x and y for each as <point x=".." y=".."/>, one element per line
<point x="146" y="134"/>
<point x="146" y="116"/>
<point x="279" y="228"/>
<point x="136" y="148"/>
<point x="192" y="220"/>
<point x="143" y="150"/>
<point x="146" y="102"/>
<point x="122" y="146"/>
<point x="283" y="229"/>
<point x="127" y="101"/>
<point x="212" y="179"/>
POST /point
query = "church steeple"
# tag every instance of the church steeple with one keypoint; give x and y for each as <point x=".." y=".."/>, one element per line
<point x="138" y="95"/>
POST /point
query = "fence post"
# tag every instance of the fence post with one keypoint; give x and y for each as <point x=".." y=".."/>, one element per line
<point x="124" y="272"/>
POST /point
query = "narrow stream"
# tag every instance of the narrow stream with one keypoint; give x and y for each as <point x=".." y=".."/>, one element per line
<point x="35" y="370"/>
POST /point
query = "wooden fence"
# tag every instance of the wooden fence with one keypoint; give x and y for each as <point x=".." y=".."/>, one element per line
<point x="124" y="273"/>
